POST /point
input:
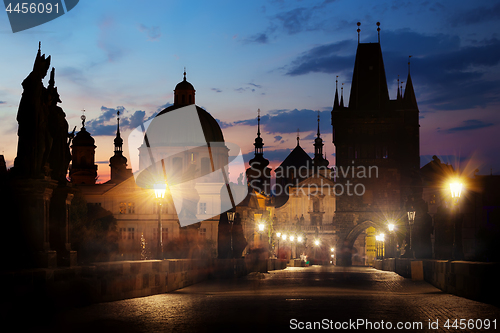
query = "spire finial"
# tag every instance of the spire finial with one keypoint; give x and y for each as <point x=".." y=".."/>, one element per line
<point x="258" y="123"/>
<point x="184" y="73"/>
<point x="359" y="30"/>
<point x="318" y="124"/>
<point x="118" y="126"/>
<point x="83" y="118"/>
<point x="409" y="57"/>
<point x="336" y="99"/>
<point x="298" y="137"/>
<point x="342" y="95"/>
<point x="378" y="31"/>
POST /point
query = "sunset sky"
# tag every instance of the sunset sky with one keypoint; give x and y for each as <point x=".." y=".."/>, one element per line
<point x="279" y="56"/>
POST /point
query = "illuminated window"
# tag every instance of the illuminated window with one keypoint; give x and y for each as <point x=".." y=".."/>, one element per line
<point x="131" y="208"/>
<point x="123" y="208"/>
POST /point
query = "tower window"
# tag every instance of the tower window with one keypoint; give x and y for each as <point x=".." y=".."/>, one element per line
<point x="202" y="208"/>
<point x="123" y="208"/>
<point x="203" y="232"/>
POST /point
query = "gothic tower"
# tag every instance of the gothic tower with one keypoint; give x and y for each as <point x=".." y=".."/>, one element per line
<point x="376" y="144"/>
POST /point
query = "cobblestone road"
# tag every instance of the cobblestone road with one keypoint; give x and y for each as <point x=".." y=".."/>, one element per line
<point x="291" y="298"/>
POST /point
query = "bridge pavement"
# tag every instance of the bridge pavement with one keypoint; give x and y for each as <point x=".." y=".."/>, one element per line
<point x="332" y="298"/>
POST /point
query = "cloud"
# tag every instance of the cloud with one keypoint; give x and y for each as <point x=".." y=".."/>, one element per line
<point x="260" y="38"/>
<point x="324" y="59"/>
<point x="153" y="33"/>
<point x="216" y="90"/>
<point x="277" y="155"/>
<point x="105" y="124"/>
<point x="287" y="121"/>
<point x="278" y="138"/>
<point x="243" y="89"/>
<point x="3" y="102"/>
<point x="223" y="124"/>
<point x="164" y="106"/>
<point x="469" y="125"/>
<point x="476" y="15"/>
<point x="452" y="75"/>
<point x="106" y="43"/>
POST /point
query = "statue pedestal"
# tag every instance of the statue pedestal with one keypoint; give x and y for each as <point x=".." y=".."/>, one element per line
<point x="59" y="225"/>
<point x="33" y="200"/>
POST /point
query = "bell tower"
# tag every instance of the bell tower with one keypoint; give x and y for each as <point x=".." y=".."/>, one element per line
<point x="83" y="168"/>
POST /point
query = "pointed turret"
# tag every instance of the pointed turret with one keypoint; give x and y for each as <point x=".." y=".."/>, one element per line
<point x="318" y="150"/>
<point x="410" y="100"/>
<point x="336" y="99"/>
<point x="369" y="85"/>
<point x="118" y="162"/>
<point x="259" y="175"/>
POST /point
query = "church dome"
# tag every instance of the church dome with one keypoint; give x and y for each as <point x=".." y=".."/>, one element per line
<point x="83" y="138"/>
<point x="211" y="128"/>
<point x="184" y="85"/>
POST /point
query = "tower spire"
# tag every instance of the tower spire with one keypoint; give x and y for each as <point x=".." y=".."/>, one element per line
<point x="258" y="123"/>
<point x="184" y="73"/>
<point x="298" y="137"/>
<point x="318" y="124"/>
<point x="359" y="30"/>
<point x="118" y="140"/>
<point x="336" y="99"/>
<point x="378" y="31"/>
<point x="409" y="57"/>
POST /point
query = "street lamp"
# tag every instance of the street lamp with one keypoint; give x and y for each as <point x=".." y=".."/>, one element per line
<point x="456" y="191"/>
<point x="160" y="190"/>
<point x="391" y="227"/>
<point x="380" y="248"/>
<point x="411" y="222"/>
<point x="230" y="218"/>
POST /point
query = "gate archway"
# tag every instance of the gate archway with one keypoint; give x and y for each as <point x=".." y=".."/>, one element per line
<point x="348" y="241"/>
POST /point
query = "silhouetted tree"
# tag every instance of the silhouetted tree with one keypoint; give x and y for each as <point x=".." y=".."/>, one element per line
<point x="93" y="231"/>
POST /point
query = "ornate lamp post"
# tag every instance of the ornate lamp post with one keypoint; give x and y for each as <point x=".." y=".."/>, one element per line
<point x="456" y="191"/>
<point x="160" y="190"/>
<point x="230" y="218"/>
<point x="278" y="235"/>
<point x="411" y="222"/>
